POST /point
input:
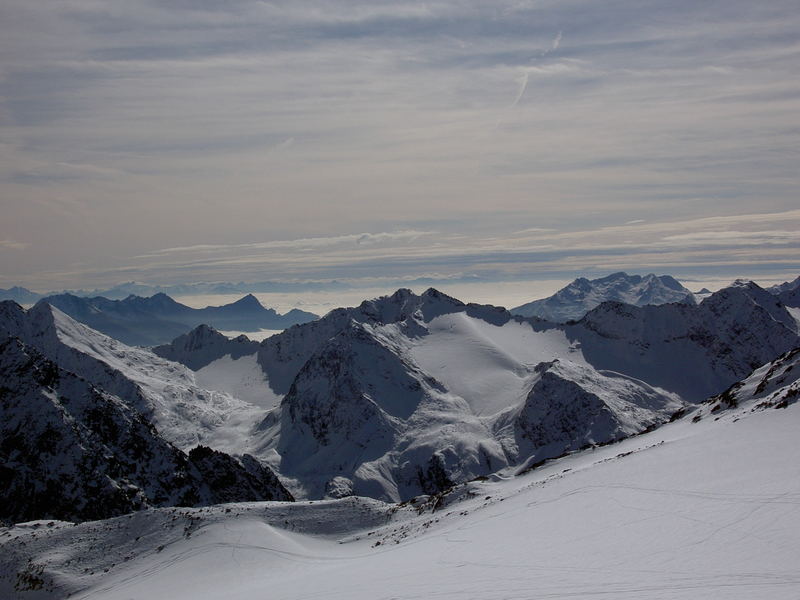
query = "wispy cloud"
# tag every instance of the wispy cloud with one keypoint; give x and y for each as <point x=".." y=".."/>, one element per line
<point x="352" y="240"/>
<point x="13" y="245"/>
<point x="525" y="132"/>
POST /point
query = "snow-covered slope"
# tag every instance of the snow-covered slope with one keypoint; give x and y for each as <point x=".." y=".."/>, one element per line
<point x="582" y="295"/>
<point x="572" y="406"/>
<point x="362" y="416"/>
<point x="774" y="385"/>
<point x="164" y="392"/>
<point x="693" y="509"/>
<point x="71" y="451"/>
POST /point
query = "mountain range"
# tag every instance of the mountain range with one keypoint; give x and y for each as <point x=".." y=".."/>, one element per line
<point x="159" y="319"/>
<point x="707" y="502"/>
<point x="365" y="399"/>
<point x="582" y="295"/>
<point x="373" y="416"/>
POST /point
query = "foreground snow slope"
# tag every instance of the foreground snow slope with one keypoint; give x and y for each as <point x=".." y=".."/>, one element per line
<point x="705" y="509"/>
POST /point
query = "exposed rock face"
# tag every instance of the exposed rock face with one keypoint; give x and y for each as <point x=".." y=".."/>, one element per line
<point x="237" y="479"/>
<point x="71" y="451"/>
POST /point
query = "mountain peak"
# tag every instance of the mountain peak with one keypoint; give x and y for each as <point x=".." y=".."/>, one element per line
<point x="248" y="301"/>
<point x="582" y="295"/>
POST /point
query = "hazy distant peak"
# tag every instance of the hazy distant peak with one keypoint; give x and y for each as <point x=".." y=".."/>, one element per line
<point x="582" y="295"/>
<point x="248" y="301"/>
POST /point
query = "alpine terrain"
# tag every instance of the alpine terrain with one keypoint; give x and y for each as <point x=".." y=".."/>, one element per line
<point x="582" y="295"/>
<point x="644" y="451"/>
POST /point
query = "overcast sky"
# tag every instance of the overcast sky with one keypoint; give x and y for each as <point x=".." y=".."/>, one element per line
<point x="190" y="140"/>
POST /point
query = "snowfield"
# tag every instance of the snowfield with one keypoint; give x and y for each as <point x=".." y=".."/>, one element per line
<point x="705" y="509"/>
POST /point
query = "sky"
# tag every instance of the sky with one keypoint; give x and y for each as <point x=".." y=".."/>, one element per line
<point x="379" y="142"/>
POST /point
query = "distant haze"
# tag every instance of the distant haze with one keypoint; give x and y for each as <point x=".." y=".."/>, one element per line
<point x="378" y="142"/>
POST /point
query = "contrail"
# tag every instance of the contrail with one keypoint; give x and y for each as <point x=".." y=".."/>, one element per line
<point x="556" y="42"/>
<point x="523" y="86"/>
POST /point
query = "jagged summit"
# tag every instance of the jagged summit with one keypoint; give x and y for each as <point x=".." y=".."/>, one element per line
<point x="404" y="303"/>
<point x="582" y="295"/>
<point x="788" y="292"/>
<point x="785" y="286"/>
<point x="741" y="296"/>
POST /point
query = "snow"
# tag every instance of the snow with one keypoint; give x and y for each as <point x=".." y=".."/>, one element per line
<point x="489" y="366"/>
<point x="795" y="312"/>
<point x="184" y="413"/>
<point x="256" y="336"/>
<point x="708" y="509"/>
<point x="242" y="378"/>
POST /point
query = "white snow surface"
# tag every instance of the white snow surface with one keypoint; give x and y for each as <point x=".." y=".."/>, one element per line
<point x="241" y="378"/>
<point x="490" y="366"/>
<point x="256" y="336"/>
<point x="692" y="510"/>
<point x="183" y="412"/>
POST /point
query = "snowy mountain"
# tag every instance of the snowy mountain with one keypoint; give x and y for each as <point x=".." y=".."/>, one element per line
<point x="695" y="351"/>
<point x="409" y="394"/>
<point x="164" y="392"/>
<point x="582" y="295"/>
<point x="786" y="286"/>
<point x="159" y="319"/>
<point x="406" y="394"/>
<point x="788" y="293"/>
<point x="72" y="451"/>
<point x="570" y="407"/>
<point x="704" y="507"/>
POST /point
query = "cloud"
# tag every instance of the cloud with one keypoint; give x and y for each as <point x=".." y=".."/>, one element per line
<point x="13" y="245"/>
<point x="353" y="240"/>
<point x="198" y="127"/>
<point x="556" y="42"/>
